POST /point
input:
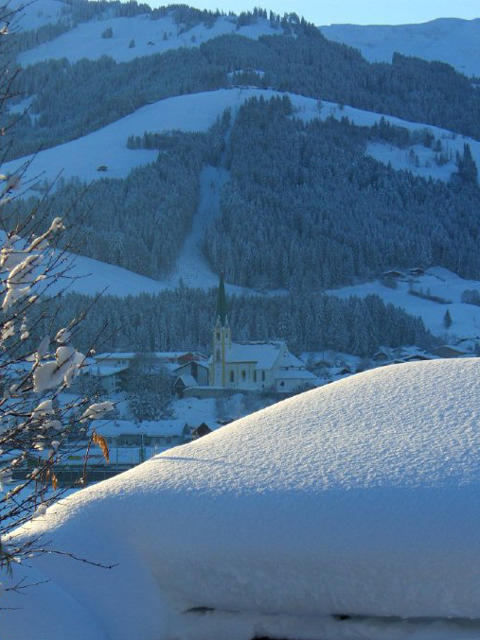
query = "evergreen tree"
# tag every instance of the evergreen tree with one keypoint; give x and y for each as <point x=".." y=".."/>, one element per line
<point x="447" y="320"/>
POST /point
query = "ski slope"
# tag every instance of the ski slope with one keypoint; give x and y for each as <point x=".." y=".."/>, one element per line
<point x="358" y="498"/>
<point x="148" y="36"/>
<point x="197" y="112"/>
<point x="449" y="40"/>
<point x="437" y="281"/>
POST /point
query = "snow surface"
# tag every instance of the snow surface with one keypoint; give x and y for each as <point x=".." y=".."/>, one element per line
<point x="450" y="40"/>
<point x="360" y="497"/>
<point x="150" y="36"/>
<point x="418" y="159"/>
<point x="437" y="281"/>
<point x="197" y="112"/>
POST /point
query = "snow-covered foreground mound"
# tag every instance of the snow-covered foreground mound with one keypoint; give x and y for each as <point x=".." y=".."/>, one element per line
<point x="360" y="498"/>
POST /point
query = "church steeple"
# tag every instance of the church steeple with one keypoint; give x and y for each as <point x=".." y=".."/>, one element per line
<point x="222" y="340"/>
<point x="221" y="302"/>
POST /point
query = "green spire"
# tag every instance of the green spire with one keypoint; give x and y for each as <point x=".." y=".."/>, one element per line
<point x="221" y="302"/>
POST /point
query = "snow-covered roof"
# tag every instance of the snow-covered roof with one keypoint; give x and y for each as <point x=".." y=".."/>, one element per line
<point x="130" y="355"/>
<point x="294" y="374"/>
<point x="360" y="497"/>
<point x="113" y="428"/>
<point x="186" y="365"/>
<point x="289" y="360"/>
<point x="264" y="354"/>
<point x="188" y="380"/>
<point x="104" y="370"/>
<point x="121" y="355"/>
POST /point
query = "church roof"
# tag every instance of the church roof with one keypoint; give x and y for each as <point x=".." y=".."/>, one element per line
<point x="289" y="360"/>
<point x="264" y="354"/>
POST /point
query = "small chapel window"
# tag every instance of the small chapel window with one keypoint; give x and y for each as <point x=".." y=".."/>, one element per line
<point x="255" y="376"/>
<point x="232" y="376"/>
<point x="263" y="376"/>
<point x="244" y="375"/>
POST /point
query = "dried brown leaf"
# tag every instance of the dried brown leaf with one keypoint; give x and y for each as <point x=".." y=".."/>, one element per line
<point x="100" y="441"/>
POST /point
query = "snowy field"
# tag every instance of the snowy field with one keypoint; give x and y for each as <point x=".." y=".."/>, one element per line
<point x="359" y="498"/>
<point x="449" y="40"/>
<point x="197" y="112"/>
<point x="149" y="37"/>
<point x="90" y="277"/>
<point x="437" y="281"/>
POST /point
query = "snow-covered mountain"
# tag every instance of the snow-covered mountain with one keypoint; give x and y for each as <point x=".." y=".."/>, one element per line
<point x="134" y="37"/>
<point x="449" y="40"/>
<point x="223" y="62"/>
<point x="359" y="499"/>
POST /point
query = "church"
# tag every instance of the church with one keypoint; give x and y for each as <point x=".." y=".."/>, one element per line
<point x="252" y="366"/>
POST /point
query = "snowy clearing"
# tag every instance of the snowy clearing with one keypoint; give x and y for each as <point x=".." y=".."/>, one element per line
<point x="148" y="36"/>
<point x="450" y="40"/>
<point x="197" y="112"/>
<point x="437" y="281"/>
<point x="358" y="498"/>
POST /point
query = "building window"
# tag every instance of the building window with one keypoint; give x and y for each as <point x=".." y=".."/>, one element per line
<point x="244" y="375"/>
<point x="254" y="376"/>
<point x="218" y="355"/>
<point x="232" y="376"/>
<point x="218" y="335"/>
<point x="282" y="384"/>
<point x="263" y="376"/>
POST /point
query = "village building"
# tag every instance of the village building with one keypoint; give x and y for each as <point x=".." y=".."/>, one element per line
<point x="109" y="369"/>
<point x="232" y="367"/>
<point x="253" y="366"/>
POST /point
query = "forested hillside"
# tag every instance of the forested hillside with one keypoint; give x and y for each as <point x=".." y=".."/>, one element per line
<point x="141" y="222"/>
<point x="182" y="319"/>
<point x="72" y="99"/>
<point x="305" y="205"/>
